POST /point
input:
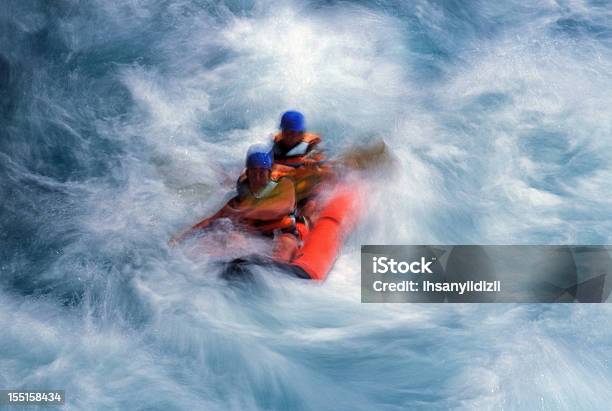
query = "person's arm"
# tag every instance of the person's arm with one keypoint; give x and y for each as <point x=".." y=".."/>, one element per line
<point x="314" y="156"/>
<point x="224" y="212"/>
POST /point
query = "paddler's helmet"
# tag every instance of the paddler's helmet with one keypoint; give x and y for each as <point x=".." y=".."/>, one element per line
<point x="259" y="156"/>
<point x="293" y="121"/>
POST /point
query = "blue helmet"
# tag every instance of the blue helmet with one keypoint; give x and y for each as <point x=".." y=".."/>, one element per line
<point x="293" y="121"/>
<point x="259" y="156"/>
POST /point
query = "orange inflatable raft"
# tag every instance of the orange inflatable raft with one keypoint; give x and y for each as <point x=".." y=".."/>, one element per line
<point x="315" y="259"/>
<point x="322" y="246"/>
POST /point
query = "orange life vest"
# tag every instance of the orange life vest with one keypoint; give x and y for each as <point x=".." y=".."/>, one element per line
<point x="285" y="223"/>
<point x="295" y="156"/>
<point x="304" y="179"/>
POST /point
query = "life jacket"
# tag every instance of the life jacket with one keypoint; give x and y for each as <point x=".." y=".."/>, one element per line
<point x="305" y="180"/>
<point x="295" y="156"/>
<point x="286" y="223"/>
<point x="242" y="185"/>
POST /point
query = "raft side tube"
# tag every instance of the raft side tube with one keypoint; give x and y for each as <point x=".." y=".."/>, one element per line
<point x="321" y="248"/>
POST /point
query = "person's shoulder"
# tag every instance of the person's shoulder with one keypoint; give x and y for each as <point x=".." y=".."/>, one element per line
<point x="284" y="183"/>
<point x="242" y="185"/>
<point x="284" y="179"/>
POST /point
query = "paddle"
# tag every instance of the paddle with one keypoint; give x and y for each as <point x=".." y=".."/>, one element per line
<point x="362" y="158"/>
<point x="366" y="157"/>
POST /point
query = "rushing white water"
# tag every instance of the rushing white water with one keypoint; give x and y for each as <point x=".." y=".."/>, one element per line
<point x="125" y="123"/>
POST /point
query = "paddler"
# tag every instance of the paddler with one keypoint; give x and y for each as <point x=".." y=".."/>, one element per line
<point x="293" y="145"/>
<point x="266" y="205"/>
<point x="297" y="155"/>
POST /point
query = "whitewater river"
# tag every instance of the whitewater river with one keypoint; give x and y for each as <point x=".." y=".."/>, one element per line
<point x="123" y="122"/>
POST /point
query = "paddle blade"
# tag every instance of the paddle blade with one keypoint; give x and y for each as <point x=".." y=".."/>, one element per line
<point x="367" y="157"/>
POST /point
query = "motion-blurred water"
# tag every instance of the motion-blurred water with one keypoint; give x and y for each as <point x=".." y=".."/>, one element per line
<point x="123" y="122"/>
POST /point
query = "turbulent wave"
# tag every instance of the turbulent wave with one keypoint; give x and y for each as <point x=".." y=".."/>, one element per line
<point x="123" y="123"/>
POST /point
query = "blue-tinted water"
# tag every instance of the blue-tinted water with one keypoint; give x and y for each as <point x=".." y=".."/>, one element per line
<point x="122" y="123"/>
